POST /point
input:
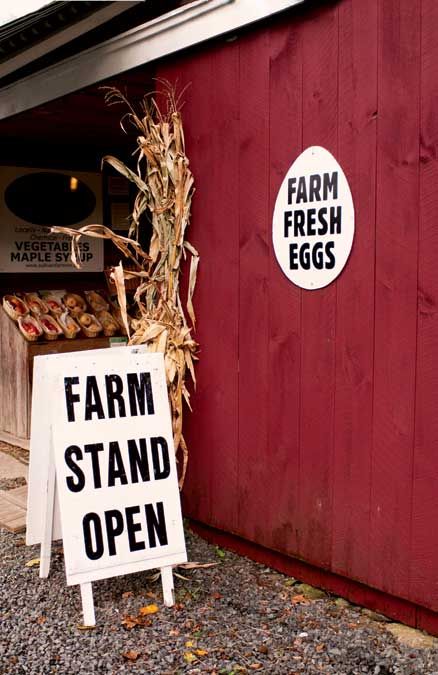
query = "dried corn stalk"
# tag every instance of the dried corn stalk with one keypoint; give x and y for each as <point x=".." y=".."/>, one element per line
<point x="165" y="188"/>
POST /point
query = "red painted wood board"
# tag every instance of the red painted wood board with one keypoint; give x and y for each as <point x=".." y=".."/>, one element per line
<point x="254" y="494"/>
<point x="355" y="291"/>
<point x="396" y="294"/>
<point x="212" y="122"/>
<point x="285" y="143"/>
<point x="314" y="431"/>
<point x="318" y="311"/>
<point x="193" y="73"/>
<point x="424" y="549"/>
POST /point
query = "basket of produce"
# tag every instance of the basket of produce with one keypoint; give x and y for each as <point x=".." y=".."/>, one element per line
<point x="15" y="307"/>
<point x="36" y="305"/>
<point x="69" y="326"/>
<point x="90" y="326"/>
<point x="50" y="326"/>
<point x="30" y="328"/>
<point x="131" y="284"/>
<point x="96" y="301"/>
<point x="75" y="303"/>
<point x="109" y="324"/>
<point x="55" y="305"/>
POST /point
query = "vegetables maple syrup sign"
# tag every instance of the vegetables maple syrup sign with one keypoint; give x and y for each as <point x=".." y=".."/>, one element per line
<point x="115" y="467"/>
<point x="313" y="223"/>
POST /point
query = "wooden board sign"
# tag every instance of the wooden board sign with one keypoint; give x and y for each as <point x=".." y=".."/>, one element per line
<point x="116" y="480"/>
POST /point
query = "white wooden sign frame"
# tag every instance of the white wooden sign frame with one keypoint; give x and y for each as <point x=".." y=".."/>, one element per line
<point x="43" y="520"/>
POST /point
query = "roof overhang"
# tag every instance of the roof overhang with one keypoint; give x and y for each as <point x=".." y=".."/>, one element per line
<point x="184" y="27"/>
<point x="69" y="33"/>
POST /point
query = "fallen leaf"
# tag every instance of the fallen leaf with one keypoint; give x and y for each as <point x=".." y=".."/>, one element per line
<point x="131" y="655"/>
<point x="219" y="552"/>
<point x="154" y="577"/>
<point x="180" y="576"/>
<point x="189" y="657"/>
<point x="41" y="619"/>
<point x="263" y="649"/>
<point x="130" y="622"/>
<point x="174" y="632"/>
<point x="33" y="562"/>
<point x="128" y="594"/>
<point x="148" y="609"/>
<point x="197" y="565"/>
<point x="216" y="596"/>
<point x="300" y="600"/>
<point x="319" y="648"/>
<point x="150" y="594"/>
<point x="201" y="652"/>
<point x="81" y="626"/>
<point x="256" y="666"/>
<point x="189" y="643"/>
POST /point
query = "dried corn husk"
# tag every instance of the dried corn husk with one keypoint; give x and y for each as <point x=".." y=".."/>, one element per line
<point x="165" y="188"/>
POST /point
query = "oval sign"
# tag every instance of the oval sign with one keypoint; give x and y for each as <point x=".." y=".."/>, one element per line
<point x="50" y="198"/>
<point x="313" y="223"/>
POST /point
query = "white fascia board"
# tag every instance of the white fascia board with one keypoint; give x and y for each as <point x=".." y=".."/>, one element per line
<point x="64" y="36"/>
<point x="189" y="25"/>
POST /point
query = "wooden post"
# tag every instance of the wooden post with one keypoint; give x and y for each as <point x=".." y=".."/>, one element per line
<point x="167" y="584"/>
<point x="87" y="604"/>
<point x="46" y="543"/>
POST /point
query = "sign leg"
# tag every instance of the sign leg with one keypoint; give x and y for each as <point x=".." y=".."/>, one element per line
<point x="167" y="584"/>
<point x="46" y="543"/>
<point x="87" y="604"/>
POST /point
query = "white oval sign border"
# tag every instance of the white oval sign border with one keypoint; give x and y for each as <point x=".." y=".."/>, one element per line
<point x="314" y="159"/>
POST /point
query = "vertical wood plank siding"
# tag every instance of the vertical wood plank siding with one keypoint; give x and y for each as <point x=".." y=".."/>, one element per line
<point x="315" y="432"/>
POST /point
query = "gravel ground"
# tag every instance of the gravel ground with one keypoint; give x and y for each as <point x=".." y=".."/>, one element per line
<point x="235" y="617"/>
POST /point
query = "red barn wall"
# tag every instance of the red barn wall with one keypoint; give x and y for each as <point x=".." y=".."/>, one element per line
<point x="315" y="431"/>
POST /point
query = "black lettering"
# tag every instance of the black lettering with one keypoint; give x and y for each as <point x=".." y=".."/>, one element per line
<point x="335" y="220"/>
<point x="330" y="255"/>
<point x="15" y="257"/>
<point x="70" y="398"/>
<point x="139" y="391"/>
<point x="161" y="469"/>
<point x="94" y="449"/>
<point x="114" y="389"/>
<point x="318" y="255"/>
<point x="302" y="190"/>
<point x="114" y="528"/>
<point x="293" y="255"/>
<point x="330" y="184"/>
<point x="116" y="469"/>
<point x="321" y="217"/>
<point x="156" y="524"/>
<point x="93" y="403"/>
<point x="72" y="484"/>
<point x="299" y="220"/>
<point x="138" y="460"/>
<point x="287" y="222"/>
<point x="311" y="220"/>
<point x="291" y="189"/>
<point x="93" y="552"/>
<point x="305" y="256"/>
<point x="132" y="528"/>
<point x="314" y="188"/>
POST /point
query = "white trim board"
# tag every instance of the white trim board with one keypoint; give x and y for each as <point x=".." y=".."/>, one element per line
<point x="66" y="35"/>
<point x="189" y="25"/>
